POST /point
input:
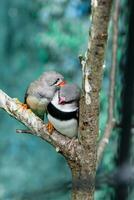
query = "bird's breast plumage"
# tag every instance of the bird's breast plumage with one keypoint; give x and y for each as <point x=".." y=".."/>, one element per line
<point x="61" y="115"/>
<point x="64" y="122"/>
<point x="68" y="128"/>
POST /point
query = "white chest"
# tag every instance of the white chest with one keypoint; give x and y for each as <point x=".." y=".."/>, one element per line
<point x="68" y="128"/>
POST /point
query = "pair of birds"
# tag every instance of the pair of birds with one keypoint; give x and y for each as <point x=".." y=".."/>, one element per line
<point x="50" y="94"/>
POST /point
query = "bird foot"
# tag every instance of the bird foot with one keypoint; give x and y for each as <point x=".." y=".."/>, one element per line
<point x="24" y="106"/>
<point x="50" y="128"/>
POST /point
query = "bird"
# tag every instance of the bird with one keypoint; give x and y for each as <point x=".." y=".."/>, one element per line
<point x="41" y="91"/>
<point x="62" y="111"/>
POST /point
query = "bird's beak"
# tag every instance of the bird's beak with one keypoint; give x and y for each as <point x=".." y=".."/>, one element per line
<point x="61" y="84"/>
<point x="61" y="100"/>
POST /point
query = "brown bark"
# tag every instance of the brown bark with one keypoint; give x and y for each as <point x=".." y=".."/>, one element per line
<point x="89" y="105"/>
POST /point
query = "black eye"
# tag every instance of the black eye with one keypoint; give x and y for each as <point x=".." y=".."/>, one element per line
<point x="56" y="81"/>
<point x="41" y="95"/>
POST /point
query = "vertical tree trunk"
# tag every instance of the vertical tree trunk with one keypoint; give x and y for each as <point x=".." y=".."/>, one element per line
<point x="84" y="169"/>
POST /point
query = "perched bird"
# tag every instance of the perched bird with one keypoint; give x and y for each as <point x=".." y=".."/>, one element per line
<point x="40" y="92"/>
<point x="63" y="110"/>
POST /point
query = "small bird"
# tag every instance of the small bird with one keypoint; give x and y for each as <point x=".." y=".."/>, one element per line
<point x="63" y="110"/>
<point x="41" y="91"/>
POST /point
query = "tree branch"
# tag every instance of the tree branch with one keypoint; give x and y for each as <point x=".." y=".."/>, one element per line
<point x="37" y="127"/>
<point x="111" y="121"/>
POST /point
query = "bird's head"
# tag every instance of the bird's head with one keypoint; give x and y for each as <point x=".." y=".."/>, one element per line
<point x="53" y="79"/>
<point x="69" y="93"/>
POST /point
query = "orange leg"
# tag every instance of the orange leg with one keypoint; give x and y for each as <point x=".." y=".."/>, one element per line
<point x="50" y="128"/>
<point x="22" y="105"/>
<point x="25" y="106"/>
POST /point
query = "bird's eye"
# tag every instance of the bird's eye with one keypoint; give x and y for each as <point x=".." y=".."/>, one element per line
<point x="41" y="95"/>
<point x="56" y="81"/>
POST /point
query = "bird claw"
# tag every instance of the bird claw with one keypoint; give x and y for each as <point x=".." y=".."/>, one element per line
<point x="23" y="106"/>
<point x="50" y="128"/>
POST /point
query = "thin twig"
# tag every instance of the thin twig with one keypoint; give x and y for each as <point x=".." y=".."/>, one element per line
<point x="111" y="121"/>
<point x="24" y="131"/>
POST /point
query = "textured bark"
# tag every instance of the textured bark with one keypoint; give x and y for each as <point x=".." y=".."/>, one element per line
<point x="92" y="63"/>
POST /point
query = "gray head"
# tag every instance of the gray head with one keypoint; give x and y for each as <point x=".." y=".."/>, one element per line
<point x="46" y="85"/>
<point x="52" y="78"/>
<point x="69" y="93"/>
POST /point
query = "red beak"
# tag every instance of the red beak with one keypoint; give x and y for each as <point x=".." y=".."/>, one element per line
<point x="62" y="100"/>
<point x="61" y="84"/>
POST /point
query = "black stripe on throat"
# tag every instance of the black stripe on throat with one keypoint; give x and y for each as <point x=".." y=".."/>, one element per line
<point x="61" y="115"/>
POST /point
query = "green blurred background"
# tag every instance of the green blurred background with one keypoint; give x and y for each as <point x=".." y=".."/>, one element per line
<point x="37" y="36"/>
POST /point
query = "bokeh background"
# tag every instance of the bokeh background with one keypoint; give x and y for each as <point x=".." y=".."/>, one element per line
<point x="41" y="35"/>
